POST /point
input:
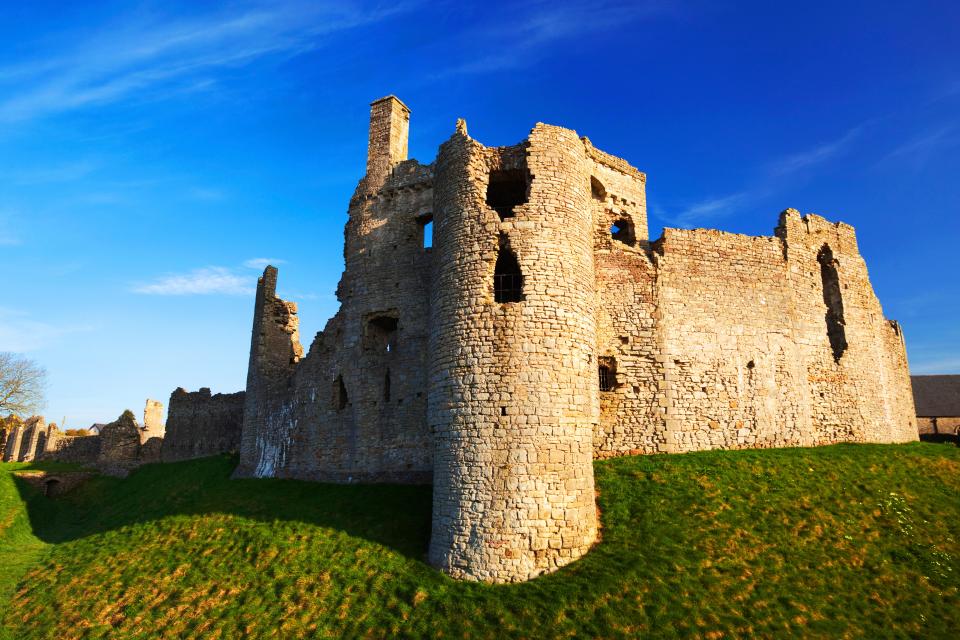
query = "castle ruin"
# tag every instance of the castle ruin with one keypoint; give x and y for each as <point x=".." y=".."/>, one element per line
<point x="542" y="329"/>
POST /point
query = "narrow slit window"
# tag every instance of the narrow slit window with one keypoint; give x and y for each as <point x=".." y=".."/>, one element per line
<point x="507" y="277"/>
<point x="426" y="230"/>
<point x="507" y="190"/>
<point x="607" y="370"/>
<point x="833" y="299"/>
<point x="339" y="394"/>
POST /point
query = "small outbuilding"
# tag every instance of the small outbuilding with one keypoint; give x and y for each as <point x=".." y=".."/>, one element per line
<point x="937" y="399"/>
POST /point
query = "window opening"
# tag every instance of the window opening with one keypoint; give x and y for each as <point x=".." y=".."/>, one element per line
<point x="622" y="231"/>
<point x="426" y="230"/>
<point x="597" y="190"/>
<point x="506" y="190"/>
<point x="507" y="277"/>
<point x="607" y="369"/>
<point x="339" y="394"/>
<point x="830" y="277"/>
<point x="382" y="334"/>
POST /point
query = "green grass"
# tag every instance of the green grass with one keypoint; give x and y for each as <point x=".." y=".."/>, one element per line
<point x="841" y="541"/>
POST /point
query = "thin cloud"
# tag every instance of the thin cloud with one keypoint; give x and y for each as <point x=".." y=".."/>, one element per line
<point x="816" y="155"/>
<point x="948" y="365"/>
<point x="20" y="333"/>
<point x="918" y="150"/>
<point x="170" y="56"/>
<point x="525" y="38"/>
<point x="262" y="263"/>
<point x="206" y="281"/>
<point x="778" y="172"/>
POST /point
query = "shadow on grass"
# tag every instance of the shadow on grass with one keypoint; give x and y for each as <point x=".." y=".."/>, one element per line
<point x="396" y="516"/>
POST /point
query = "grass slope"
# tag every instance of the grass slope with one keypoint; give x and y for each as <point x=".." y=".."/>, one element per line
<point x="841" y="541"/>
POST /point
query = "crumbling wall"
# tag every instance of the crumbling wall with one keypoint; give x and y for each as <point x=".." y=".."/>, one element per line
<point x="200" y="424"/>
<point x="153" y="426"/>
<point x="354" y="408"/>
<point x="26" y="441"/>
<point x="3" y="443"/>
<point x="75" y="449"/>
<point x="119" y="446"/>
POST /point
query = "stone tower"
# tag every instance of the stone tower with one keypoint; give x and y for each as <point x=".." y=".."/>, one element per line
<point x="513" y="399"/>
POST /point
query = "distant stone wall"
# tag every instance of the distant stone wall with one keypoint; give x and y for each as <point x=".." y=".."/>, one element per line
<point x="75" y="449"/>
<point x="152" y="420"/>
<point x="26" y="442"/>
<point x="3" y="443"/>
<point x="200" y="424"/>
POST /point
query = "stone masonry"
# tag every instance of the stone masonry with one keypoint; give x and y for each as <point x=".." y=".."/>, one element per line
<point x="543" y="329"/>
<point x="200" y="424"/>
<point x="152" y="420"/>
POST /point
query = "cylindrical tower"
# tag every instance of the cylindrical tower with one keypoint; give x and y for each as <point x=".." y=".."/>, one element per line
<point x="513" y="398"/>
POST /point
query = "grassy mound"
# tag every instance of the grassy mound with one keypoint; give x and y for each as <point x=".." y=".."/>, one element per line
<point x="848" y="540"/>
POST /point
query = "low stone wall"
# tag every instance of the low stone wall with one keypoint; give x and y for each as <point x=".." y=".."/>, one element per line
<point x="76" y="449"/>
<point x="200" y="424"/>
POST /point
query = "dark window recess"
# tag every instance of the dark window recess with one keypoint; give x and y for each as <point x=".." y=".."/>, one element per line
<point x="382" y="334"/>
<point x="608" y="374"/>
<point x="622" y="231"/>
<point x="339" y="394"/>
<point x="836" y="330"/>
<point x="597" y="190"/>
<point x="386" y="386"/>
<point x="425" y="223"/>
<point x="507" y="190"/>
<point x="507" y="277"/>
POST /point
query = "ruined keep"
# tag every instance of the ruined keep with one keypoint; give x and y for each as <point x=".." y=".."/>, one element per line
<point x="542" y="329"/>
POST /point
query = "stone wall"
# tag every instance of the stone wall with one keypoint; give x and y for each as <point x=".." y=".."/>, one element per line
<point x="200" y="424"/>
<point x="544" y="329"/>
<point x="153" y="426"/>
<point x="513" y="479"/>
<point x="27" y="441"/>
<point x="941" y="425"/>
<point x="76" y="449"/>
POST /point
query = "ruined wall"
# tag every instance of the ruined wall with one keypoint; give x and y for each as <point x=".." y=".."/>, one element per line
<point x="120" y="448"/>
<point x="75" y="449"/>
<point x="153" y="426"/>
<point x="200" y="424"/>
<point x="938" y="425"/>
<point x="513" y="399"/>
<point x="754" y="353"/>
<point x="3" y="443"/>
<point x="543" y="329"/>
<point x="26" y="441"/>
<point x="354" y="408"/>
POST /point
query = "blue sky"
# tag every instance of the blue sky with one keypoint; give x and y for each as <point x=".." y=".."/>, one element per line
<point x="154" y="155"/>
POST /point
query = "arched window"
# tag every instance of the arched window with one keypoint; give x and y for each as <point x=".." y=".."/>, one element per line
<point x="833" y="298"/>
<point x="507" y="277"/>
<point x="597" y="190"/>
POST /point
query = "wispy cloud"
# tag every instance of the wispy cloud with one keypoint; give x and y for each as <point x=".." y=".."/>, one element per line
<point x="523" y="40"/>
<point x="918" y="150"/>
<point x="21" y="334"/>
<point x="776" y="174"/>
<point x="205" y="281"/>
<point x="262" y="263"/>
<point x="947" y="365"/>
<point x="816" y="155"/>
<point x="168" y="56"/>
